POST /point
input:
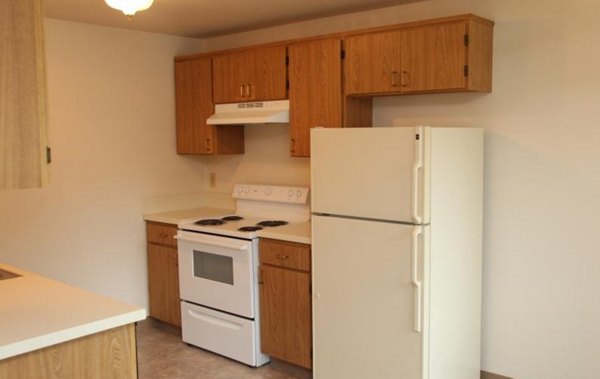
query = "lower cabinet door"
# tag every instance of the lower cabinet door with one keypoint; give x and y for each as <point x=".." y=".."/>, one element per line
<point x="285" y="306"/>
<point x="163" y="284"/>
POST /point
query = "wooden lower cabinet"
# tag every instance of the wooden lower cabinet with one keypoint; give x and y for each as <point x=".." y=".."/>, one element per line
<point x="163" y="273"/>
<point x="107" y="354"/>
<point x="285" y="301"/>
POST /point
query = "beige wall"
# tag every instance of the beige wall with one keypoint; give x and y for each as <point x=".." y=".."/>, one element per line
<point x="111" y="122"/>
<point x="111" y="126"/>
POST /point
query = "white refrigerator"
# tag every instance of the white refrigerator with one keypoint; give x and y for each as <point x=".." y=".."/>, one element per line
<point x="396" y="252"/>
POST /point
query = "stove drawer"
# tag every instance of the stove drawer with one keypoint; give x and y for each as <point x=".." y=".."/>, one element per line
<point x="284" y="254"/>
<point x="222" y="333"/>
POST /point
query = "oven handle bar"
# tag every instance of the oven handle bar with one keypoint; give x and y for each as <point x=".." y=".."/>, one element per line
<point x="212" y="243"/>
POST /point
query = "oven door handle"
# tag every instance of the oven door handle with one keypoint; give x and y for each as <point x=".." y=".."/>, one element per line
<point x="212" y="243"/>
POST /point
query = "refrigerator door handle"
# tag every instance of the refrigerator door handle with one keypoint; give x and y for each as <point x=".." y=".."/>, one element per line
<point x="416" y="283"/>
<point x="416" y="175"/>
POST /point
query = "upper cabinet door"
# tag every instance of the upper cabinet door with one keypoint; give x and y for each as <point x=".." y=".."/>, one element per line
<point x="372" y="63"/>
<point x="315" y="74"/>
<point x="193" y="105"/>
<point x="441" y="56"/>
<point x="433" y="57"/>
<point x="23" y="156"/>
<point x="250" y="75"/>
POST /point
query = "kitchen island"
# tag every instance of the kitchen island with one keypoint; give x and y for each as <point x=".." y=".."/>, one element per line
<point x="49" y="329"/>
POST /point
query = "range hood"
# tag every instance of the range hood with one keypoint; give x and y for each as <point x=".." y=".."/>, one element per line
<point x="263" y="112"/>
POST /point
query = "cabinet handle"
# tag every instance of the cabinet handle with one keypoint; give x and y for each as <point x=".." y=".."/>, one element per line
<point x="260" y="276"/>
<point x="395" y="78"/>
<point x="250" y="91"/>
<point x="405" y="82"/>
<point x="293" y="145"/>
<point x="245" y="91"/>
<point x="242" y="90"/>
<point x="207" y="144"/>
<point x="282" y="257"/>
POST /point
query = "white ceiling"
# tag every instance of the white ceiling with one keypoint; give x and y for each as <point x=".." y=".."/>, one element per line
<point x="207" y="18"/>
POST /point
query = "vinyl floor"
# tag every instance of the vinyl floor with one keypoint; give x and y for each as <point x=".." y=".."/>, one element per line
<point x="162" y="354"/>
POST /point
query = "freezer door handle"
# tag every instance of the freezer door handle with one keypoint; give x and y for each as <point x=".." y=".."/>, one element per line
<point x="416" y="283"/>
<point x="416" y="175"/>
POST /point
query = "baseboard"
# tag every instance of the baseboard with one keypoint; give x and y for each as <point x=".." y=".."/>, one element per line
<point x="489" y="375"/>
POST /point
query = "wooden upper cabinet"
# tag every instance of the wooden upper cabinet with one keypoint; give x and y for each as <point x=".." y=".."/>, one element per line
<point x="453" y="54"/>
<point x="193" y="105"/>
<point x="23" y="156"/>
<point x="433" y="57"/>
<point x="315" y="76"/>
<point x="250" y="75"/>
<point x="372" y="63"/>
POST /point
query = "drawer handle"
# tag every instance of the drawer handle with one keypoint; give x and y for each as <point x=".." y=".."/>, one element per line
<point x="215" y="320"/>
<point x="282" y="257"/>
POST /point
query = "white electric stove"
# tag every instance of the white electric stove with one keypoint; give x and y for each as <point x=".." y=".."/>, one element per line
<point x="218" y="265"/>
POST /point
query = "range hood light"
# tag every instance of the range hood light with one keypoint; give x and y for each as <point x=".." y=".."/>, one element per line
<point x="264" y="112"/>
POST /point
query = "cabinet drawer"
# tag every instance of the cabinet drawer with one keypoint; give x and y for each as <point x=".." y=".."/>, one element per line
<point x="163" y="234"/>
<point x="285" y="254"/>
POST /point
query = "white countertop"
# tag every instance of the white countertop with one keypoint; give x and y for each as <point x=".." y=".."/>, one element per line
<point x="36" y="312"/>
<point x="295" y="232"/>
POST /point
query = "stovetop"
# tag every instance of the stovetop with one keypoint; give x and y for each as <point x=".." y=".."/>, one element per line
<point x="258" y="207"/>
<point x="232" y="225"/>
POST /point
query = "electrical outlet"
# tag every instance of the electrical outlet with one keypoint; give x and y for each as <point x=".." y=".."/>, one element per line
<point x="212" y="179"/>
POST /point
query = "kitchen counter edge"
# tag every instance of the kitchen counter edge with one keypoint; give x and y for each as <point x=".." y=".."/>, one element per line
<point x="41" y="312"/>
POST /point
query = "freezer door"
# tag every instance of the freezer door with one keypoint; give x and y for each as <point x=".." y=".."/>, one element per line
<point x="368" y="299"/>
<point x="378" y="173"/>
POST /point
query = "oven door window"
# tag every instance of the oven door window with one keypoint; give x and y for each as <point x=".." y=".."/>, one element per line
<point x="218" y="268"/>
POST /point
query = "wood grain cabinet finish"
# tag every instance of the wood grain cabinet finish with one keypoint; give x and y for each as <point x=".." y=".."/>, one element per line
<point x="250" y="75"/>
<point x="285" y="301"/>
<point x="22" y="95"/>
<point x="447" y="55"/>
<point x="106" y="354"/>
<point x="193" y="105"/>
<point x="163" y="273"/>
<point x="315" y="76"/>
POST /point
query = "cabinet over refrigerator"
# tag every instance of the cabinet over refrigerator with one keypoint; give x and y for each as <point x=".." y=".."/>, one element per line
<point x="397" y="243"/>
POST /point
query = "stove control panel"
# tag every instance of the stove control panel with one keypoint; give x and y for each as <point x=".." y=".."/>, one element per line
<point x="276" y="194"/>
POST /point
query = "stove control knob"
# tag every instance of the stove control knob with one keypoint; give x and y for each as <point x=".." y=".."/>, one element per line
<point x="291" y="193"/>
<point x="298" y="193"/>
<point x="247" y="189"/>
<point x="267" y="191"/>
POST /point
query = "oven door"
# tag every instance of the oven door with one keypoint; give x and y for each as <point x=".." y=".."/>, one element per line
<point x="217" y="272"/>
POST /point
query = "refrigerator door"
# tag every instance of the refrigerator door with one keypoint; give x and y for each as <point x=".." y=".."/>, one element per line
<point x="369" y="297"/>
<point x="376" y="173"/>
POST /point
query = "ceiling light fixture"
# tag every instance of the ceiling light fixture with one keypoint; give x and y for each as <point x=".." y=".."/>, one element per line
<point x="129" y="7"/>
